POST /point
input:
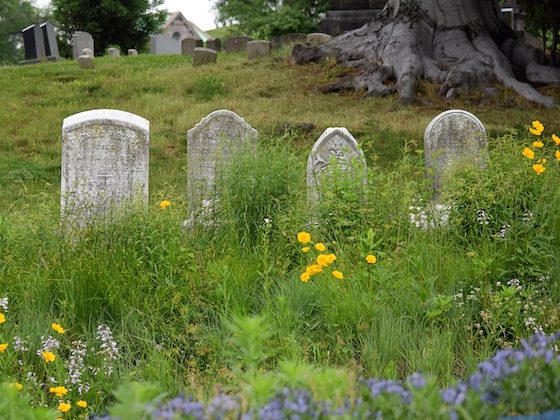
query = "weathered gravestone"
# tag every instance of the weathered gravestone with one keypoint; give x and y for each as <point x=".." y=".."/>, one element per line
<point x="189" y="44"/>
<point x="258" y="49"/>
<point x="335" y="159"/>
<point x="39" y="43"/>
<point x="214" y="44"/>
<point x="113" y="52"/>
<point x="236" y="43"/>
<point x="105" y="167"/>
<point x="132" y="51"/>
<point x="318" y="38"/>
<point x="80" y="41"/>
<point x="454" y="139"/>
<point x="204" y="56"/>
<point x="85" y="61"/>
<point x="87" y="51"/>
<point x="210" y="144"/>
<point x="164" y="44"/>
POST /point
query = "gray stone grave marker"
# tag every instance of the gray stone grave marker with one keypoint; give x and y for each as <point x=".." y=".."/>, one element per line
<point x="335" y="153"/>
<point x="105" y="158"/>
<point x="211" y="144"/>
<point x="188" y="45"/>
<point x="204" y="56"/>
<point x="236" y="43"/>
<point x="113" y="52"/>
<point x="214" y="44"/>
<point x="85" y="61"/>
<point x="132" y="51"/>
<point x="318" y="38"/>
<point x="258" y="49"/>
<point x="454" y="139"/>
<point x="87" y="51"/>
<point x="80" y="41"/>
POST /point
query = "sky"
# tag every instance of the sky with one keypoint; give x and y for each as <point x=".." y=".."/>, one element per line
<point x="197" y="11"/>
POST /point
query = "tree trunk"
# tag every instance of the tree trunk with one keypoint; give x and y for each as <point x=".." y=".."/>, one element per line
<point x="459" y="44"/>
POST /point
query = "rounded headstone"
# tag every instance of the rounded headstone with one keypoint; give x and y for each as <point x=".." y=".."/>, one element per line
<point x="132" y="51"/>
<point x="258" y="49"/>
<point x="318" y="38"/>
<point x="113" y="52"/>
<point x="214" y="44"/>
<point x="454" y="139"/>
<point x="87" y="51"/>
<point x="85" y="62"/>
<point x="188" y="45"/>
<point x="236" y="43"/>
<point x="204" y="56"/>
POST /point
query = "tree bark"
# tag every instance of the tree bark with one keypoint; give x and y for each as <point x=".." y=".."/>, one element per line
<point x="460" y="44"/>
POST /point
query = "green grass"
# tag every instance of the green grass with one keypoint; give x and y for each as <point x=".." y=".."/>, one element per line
<point x="169" y="295"/>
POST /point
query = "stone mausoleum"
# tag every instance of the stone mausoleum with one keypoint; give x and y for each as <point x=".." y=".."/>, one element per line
<point x="178" y="27"/>
<point x="345" y="15"/>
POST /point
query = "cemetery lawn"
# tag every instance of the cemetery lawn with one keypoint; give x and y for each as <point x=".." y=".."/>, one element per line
<point x="436" y="301"/>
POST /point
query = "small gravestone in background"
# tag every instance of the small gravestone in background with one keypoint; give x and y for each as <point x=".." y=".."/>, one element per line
<point x="335" y="155"/>
<point x="258" y="49"/>
<point x="318" y="38"/>
<point x="85" y="62"/>
<point x="80" y="41"/>
<point x="214" y="44"/>
<point x="105" y="164"/>
<point x="454" y="139"/>
<point x="132" y="51"/>
<point x="236" y="43"/>
<point x="204" y="56"/>
<point x="211" y="144"/>
<point x="163" y="44"/>
<point x="87" y="51"/>
<point x="113" y="52"/>
<point x="188" y="45"/>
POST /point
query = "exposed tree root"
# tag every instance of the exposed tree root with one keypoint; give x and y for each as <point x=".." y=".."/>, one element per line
<point x="459" y="44"/>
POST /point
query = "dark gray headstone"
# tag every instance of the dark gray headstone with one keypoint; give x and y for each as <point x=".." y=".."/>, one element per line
<point x="214" y="44"/>
<point x="204" y="56"/>
<point x="188" y="45"/>
<point x="49" y="38"/>
<point x="33" y="43"/>
<point x="236" y="43"/>
<point x="258" y="49"/>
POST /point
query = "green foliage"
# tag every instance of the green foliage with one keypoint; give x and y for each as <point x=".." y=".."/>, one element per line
<point x="110" y="22"/>
<point x="15" y="404"/>
<point x="14" y="16"/>
<point x="207" y="87"/>
<point x="133" y="398"/>
<point x="543" y="20"/>
<point x="264" y="18"/>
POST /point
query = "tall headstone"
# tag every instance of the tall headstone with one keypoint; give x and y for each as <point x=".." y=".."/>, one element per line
<point x="335" y="156"/>
<point x="258" y="49"/>
<point x="49" y="38"/>
<point x="204" y="56"/>
<point x="81" y="40"/>
<point x="164" y="44"/>
<point x="188" y="45"/>
<point x="210" y="144"/>
<point x="105" y="158"/>
<point x="454" y="139"/>
<point x="33" y="44"/>
<point x="214" y="44"/>
<point x="236" y="43"/>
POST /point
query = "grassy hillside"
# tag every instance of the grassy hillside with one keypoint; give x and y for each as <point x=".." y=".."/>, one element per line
<point x="437" y="301"/>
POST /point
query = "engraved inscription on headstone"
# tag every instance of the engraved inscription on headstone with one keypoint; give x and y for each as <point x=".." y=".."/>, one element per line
<point x="105" y="156"/>
<point x="454" y="139"/>
<point x="335" y="155"/>
<point x="210" y="144"/>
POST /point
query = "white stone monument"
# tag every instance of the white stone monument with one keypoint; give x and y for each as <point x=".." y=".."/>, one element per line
<point x="105" y="165"/>
<point x="454" y="139"/>
<point x="80" y="41"/>
<point x="211" y="144"/>
<point x="335" y="154"/>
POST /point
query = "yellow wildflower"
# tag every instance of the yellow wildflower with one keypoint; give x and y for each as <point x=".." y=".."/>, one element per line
<point x="304" y="237"/>
<point x="59" y="391"/>
<point x="18" y="386"/>
<point x="314" y="269"/>
<point x="2" y="318"/>
<point x="64" y="407"/>
<point x="164" y="204"/>
<point x="82" y="404"/>
<point x="528" y="153"/>
<point x="337" y="275"/>
<point x="331" y="258"/>
<point x="556" y="139"/>
<point x="304" y="277"/>
<point x="539" y="168"/>
<point x="537" y="128"/>
<point x="48" y="356"/>
<point x="57" y="328"/>
<point x="3" y="347"/>
<point x="323" y="260"/>
<point x="538" y="144"/>
<point x="557" y="154"/>
<point x="320" y="247"/>
<point x="371" y="259"/>
<point x="305" y="249"/>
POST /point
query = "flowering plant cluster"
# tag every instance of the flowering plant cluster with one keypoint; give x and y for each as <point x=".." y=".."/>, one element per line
<point x="57" y="371"/>
<point x="537" y="129"/>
